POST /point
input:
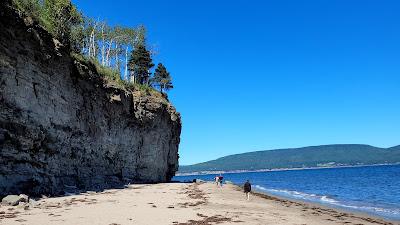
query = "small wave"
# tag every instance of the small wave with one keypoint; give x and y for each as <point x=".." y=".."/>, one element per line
<point x="386" y="211"/>
<point x="260" y="187"/>
<point x="326" y="200"/>
<point x="297" y="194"/>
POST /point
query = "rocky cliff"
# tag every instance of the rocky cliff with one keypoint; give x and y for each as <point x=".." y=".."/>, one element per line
<point x="64" y="127"/>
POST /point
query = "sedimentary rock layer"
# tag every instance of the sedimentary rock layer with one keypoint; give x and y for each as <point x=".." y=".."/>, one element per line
<point x="64" y="127"/>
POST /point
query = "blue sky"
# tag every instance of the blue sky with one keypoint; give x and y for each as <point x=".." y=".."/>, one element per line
<point x="257" y="75"/>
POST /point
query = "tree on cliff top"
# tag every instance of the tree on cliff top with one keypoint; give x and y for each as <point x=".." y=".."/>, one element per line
<point x="140" y="64"/>
<point x="162" y="78"/>
<point x="61" y="15"/>
<point x="57" y="16"/>
<point x="108" y="46"/>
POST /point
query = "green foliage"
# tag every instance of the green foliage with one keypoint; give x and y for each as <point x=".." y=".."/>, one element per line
<point x="106" y="71"/>
<point x="77" y="37"/>
<point x="112" y="75"/>
<point x="80" y="58"/>
<point x="301" y="157"/>
<point x="140" y="64"/>
<point x="106" y="48"/>
<point x="32" y="8"/>
<point x="62" y="15"/>
<point x="56" y="16"/>
<point x="103" y="71"/>
<point x="162" y="78"/>
<point x="140" y="36"/>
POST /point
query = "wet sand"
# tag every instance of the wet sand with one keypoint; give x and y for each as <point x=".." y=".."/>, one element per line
<point x="178" y="204"/>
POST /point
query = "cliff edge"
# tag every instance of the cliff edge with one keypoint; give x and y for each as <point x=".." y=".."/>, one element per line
<point x="63" y="127"/>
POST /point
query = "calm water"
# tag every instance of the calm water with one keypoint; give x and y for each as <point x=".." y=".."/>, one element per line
<point x="374" y="190"/>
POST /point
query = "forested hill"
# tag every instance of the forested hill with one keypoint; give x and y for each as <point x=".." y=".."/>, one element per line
<point x="315" y="156"/>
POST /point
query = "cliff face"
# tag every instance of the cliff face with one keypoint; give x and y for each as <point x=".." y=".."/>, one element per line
<point x="63" y="127"/>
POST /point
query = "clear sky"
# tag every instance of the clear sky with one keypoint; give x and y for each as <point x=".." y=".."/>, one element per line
<point x="257" y="75"/>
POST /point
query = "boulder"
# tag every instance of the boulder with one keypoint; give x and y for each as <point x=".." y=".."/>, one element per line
<point x="12" y="200"/>
<point x="24" y="198"/>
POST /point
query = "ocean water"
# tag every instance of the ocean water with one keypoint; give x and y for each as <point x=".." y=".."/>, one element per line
<point x="372" y="189"/>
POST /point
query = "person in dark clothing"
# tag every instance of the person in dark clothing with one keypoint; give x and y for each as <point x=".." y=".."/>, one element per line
<point x="220" y="180"/>
<point x="247" y="189"/>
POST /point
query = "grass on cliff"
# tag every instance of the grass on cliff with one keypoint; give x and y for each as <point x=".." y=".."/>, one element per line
<point x="113" y="76"/>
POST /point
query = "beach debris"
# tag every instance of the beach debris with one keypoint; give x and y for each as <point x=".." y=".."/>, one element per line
<point x="207" y="220"/>
<point x="193" y="192"/>
<point x="8" y="214"/>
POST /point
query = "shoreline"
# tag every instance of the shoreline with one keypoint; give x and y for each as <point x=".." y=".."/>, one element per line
<point x="211" y="172"/>
<point x="355" y="213"/>
<point x="329" y="209"/>
<point x="179" y="204"/>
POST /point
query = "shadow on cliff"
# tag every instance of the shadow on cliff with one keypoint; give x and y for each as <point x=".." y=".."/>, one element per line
<point x="65" y="128"/>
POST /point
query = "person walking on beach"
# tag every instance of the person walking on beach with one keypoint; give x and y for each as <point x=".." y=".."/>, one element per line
<point x="247" y="189"/>
<point x="217" y="180"/>
<point x="220" y="178"/>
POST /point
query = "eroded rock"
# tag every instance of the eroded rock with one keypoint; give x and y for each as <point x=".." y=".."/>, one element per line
<point x="58" y="127"/>
<point x="12" y="200"/>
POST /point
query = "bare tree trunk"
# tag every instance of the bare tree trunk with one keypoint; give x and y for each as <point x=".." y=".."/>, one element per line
<point x="116" y="56"/>
<point x="102" y="46"/>
<point x="83" y="45"/>
<point x="83" y="48"/>
<point x="148" y="78"/>
<point x="108" y="53"/>
<point x="133" y="80"/>
<point x="126" y="63"/>
<point x="94" y="46"/>
<point x="90" y="45"/>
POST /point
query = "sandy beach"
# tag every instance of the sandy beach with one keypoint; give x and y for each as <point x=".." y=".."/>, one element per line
<point x="177" y="204"/>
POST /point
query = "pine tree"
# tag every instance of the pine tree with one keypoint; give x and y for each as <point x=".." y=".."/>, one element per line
<point x="162" y="78"/>
<point x="140" y="64"/>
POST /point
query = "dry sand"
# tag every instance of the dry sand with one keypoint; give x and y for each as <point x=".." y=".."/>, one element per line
<point x="177" y="203"/>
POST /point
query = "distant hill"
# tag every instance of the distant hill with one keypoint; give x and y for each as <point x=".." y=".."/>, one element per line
<point x="314" y="156"/>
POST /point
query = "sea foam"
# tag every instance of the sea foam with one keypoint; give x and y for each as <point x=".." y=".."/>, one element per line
<point x="297" y="194"/>
<point x="325" y="200"/>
